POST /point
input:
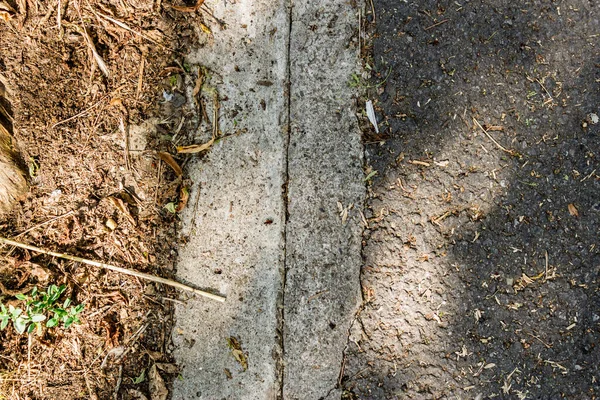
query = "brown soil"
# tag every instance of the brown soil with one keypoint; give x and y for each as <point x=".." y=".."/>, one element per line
<point x="93" y="193"/>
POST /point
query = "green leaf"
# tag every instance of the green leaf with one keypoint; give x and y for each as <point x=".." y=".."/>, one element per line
<point x="4" y="323"/>
<point x="52" y="322"/>
<point x="21" y="296"/>
<point x="371" y="174"/>
<point x="67" y="303"/>
<point x="170" y="207"/>
<point x="20" y="325"/>
<point x="38" y="318"/>
<point x="31" y="328"/>
<point x="59" y="312"/>
<point x="34" y="291"/>
<point x="15" y="312"/>
<point x="34" y="167"/>
<point x="140" y="378"/>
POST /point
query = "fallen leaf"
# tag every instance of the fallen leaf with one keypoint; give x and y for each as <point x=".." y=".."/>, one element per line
<point x="121" y="206"/>
<point x="238" y="353"/>
<point x="573" y="210"/>
<point x="184" y="195"/>
<point x="6" y="11"/>
<point x="205" y="29"/>
<point x="170" y="207"/>
<point x="228" y="373"/>
<point x="99" y="60"/>
<point x="140" y="378"/>
<point x="167" y="158"/>
<point x="168" y="368"/>
<point x="188" y="8"/>
<point x="195" y="148"/>
<point x="199" y="83"/>
<point x="371" y="115"/>
<point x="136" y="395"/>
<point x="156" y="385"/>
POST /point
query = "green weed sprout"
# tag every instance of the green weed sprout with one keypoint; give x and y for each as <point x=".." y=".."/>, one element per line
<point x="38" y="306"/>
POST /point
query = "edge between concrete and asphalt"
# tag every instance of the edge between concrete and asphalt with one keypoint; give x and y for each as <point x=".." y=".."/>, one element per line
<point x="276" y="228"/>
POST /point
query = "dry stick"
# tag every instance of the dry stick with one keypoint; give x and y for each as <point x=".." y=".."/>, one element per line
<point x="436" y="24"/>
<point x="80" y="114"/>
<point x="140" y="77"/>
<point x="115" y="268"/>
<point x="44" y="223"/>
<point x="373" y="11"/>
<point x="492" y="139"/>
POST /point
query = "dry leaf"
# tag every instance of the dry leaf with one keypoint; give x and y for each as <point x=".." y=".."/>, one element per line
<point x="199" y="83"/>
<point x="238" y="353"/>
<point x="136" y="395"/>
<point x="189" y="9"/>
<point x="166" y="157"/>
<point x="371" y="115"/>
<point x="121" y="206"/>
<point x="171" y="369"/>
<point x="184" y="195"/>
<point x="41" y="273"/>
<point x="195" y="148"/>
<point x="573" y="210"/>
<point x="156" y="385"/>
<point x="205" y="29"/>
<point x="99" y="60"/>
<point x="6" y="11"/>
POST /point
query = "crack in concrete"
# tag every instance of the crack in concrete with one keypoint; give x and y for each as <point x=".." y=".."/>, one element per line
<point x="287" y="90"/>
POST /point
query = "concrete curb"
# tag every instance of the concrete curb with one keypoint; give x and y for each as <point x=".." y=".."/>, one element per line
<point x="268" y="231"/>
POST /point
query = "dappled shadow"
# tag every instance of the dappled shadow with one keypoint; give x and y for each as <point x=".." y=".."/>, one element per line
<point x="461" y="299"/>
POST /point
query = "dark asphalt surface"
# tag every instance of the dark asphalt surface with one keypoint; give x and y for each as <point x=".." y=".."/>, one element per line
<point x="482" y="257"/>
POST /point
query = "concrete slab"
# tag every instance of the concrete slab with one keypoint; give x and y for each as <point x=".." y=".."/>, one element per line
<point x="300" y="157"/>
<point x="236" y="240"/>
<point x="322" y="289"/>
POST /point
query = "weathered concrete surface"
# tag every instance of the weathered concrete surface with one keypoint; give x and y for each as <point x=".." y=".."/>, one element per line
<point x="323" y="258"/>
<point x="305" y="140"/>
<point x="236" y="241"/>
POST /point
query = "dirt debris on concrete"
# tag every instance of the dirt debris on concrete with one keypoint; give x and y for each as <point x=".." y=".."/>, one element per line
<point x="481" y="264"/>
<point x="98" y="108"/>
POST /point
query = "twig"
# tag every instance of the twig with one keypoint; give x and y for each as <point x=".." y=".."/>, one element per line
<point x="548" y="346"/>
<point x="127" y="28"/>
<point x="373" y="11"/>
<point x="492" y="139"/>
<point x="436" y="24"/>
<point x="44" y="223"/>
<point x="545" y="90"/>
<point x="125" y="131"/>
<point x="80" y="114"/>
<point x="141" y="76"/>
<point x="118" y="385"/>
<point x="116" y="269"/>
<point x="158" y="182"/>
<point x="29" y="356"/>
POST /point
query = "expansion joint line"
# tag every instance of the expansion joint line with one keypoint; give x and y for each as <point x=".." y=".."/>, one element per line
<point x="288" y="132"/>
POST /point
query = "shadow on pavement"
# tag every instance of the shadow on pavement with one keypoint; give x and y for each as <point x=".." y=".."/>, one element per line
<point x="481" y="267"/>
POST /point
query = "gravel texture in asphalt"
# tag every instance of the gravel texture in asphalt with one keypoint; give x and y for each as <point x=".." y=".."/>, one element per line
<point x="482" y="261"/>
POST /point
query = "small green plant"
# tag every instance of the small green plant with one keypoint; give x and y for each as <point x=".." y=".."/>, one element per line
<point x="38" y="307"/>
